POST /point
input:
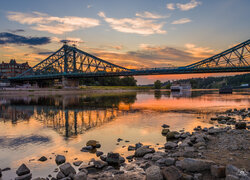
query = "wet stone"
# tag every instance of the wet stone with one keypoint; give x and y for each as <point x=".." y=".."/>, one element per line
<point x="42" y="159"/>
<point x="140" y="152"/>
<point x="24" y="177"/>
<point x="22" y="170"/>
<point x="67" y="169"/>
<point x="131" y="148"/>
<point x="60" y="159"/>
<point x="130" y="157"/>
<point x="165" y="126"/>
<point x="113" y="158"/>
<point x="77" y="163"/>
<point x="99" y="153"/>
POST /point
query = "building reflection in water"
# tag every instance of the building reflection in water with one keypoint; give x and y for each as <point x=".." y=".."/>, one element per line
<point x="68" y="115"/>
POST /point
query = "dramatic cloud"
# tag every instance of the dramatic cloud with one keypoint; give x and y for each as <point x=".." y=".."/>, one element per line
<point x="170" y="6"/>
<point x="185" y="7"/>
<point x="148" y="56"/>
<point x="9" y="38"/>
<point x="181" y="21"/>
<point x="150" y="15"/>
<point x="136" y="25"/>
<point x="52" y="24"/>
<point x="203" y="52"/>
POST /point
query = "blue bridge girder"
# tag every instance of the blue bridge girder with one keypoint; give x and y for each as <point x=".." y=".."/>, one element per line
<point x="70" y="62"/>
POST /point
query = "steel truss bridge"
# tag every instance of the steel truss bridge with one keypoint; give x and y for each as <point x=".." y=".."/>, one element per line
<point x="72" y="63"/>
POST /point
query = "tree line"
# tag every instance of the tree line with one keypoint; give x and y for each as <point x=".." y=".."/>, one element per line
<point x="109" y="81"/>
<point x="209" y="82"/>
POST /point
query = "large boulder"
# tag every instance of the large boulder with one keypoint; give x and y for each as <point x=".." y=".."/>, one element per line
<point x="80" y="176"/>
<point x="153" y="173"/>
<point x="22" y="170"/>
<point x="140" y="152"/>
<point x="60" y="159"/>
<point x="194" y="165"/>
<point x="67" y="169"/>
<point x="172" y="173"/>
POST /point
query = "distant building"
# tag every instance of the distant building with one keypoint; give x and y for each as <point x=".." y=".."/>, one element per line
<point x="180" y="86"/>
<point x="12" y="68"/>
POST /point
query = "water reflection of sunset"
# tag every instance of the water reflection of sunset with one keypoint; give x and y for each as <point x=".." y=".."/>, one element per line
<point x="49" y="125"/>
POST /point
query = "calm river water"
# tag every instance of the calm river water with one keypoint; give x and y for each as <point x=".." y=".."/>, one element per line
<point x="34" y="126"/>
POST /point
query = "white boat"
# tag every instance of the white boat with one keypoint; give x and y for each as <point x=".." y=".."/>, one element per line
<point x="181" y="87"/>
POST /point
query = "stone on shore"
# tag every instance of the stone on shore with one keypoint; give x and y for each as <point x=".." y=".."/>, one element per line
<point x="100" y="164"/>
<point x="140" y="152"/>
<point x="165" y="126"/>
<point x="138" y="145"/>
<point x="0" y="172"/>
<point x="230" y="169"/>
<point x="92" y="143"/>
<point x="24" y="177"/>
<point x="22" y="170"/>
<point x="170" y="145"/>
<point x="218" y="171"/>
<point x="172" y="173"/>
<point x="67" y="169"/>
<point x="60" y="159"/>
<point x="87" y="148"/>
<point x="77" y="163"/>
<point x="172" y="135"/>
<point x="60" y="175"/>
<point x="113" y="158"/>
<point x="99" y="153"/>
<point x="131" y="148"/>
<point x="165" y="131"/>
<point x="153" y="173"/>
<point x="240" y="125"/>
<point x="42" y="159"/>
<point x="80" y="176"/>
<point x="194" y="165"/>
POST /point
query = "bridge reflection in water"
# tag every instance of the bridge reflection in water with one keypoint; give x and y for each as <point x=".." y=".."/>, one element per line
<point x="67" y="115"/>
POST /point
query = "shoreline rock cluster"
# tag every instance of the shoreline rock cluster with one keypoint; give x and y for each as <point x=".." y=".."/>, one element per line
<point x="184" y="156"/>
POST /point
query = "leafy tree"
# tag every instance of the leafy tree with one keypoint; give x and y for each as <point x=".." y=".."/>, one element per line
<point x="157" y="84"/>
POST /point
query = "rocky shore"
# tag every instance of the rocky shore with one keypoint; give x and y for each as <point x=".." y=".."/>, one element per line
<point x="205" y="154"/>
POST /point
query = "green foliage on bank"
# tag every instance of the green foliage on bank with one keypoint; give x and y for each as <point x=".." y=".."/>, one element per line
<point x="109" y="81"/>
<point x="157" y="84"/>
<point x="217" y="82"/>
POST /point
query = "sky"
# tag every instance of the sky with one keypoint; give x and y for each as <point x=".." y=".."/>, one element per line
<point x="131" y="33"/>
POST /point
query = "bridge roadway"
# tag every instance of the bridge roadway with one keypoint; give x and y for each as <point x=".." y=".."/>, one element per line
<point x="135" y="72"/>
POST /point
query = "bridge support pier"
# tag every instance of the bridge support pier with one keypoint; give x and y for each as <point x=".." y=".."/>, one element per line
<point x="70" y="83"/>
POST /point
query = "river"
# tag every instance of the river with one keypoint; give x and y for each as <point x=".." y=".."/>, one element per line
<point x="32" y="126"/>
